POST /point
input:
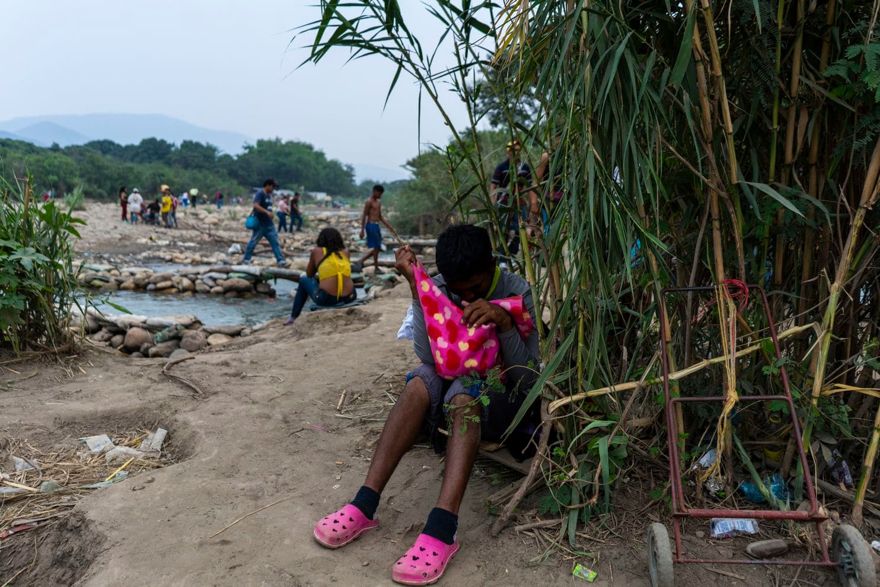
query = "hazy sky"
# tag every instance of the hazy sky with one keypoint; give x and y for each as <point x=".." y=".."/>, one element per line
<point x="221" y="64"/>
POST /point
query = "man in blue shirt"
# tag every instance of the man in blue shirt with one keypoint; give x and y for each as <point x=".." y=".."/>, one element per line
<point x="265" y="224"/>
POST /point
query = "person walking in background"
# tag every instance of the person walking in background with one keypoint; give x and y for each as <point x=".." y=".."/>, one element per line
<point x="123" y="203"/>
<point x="296" y="218"/>
<point x="370" y="220"/>
<point x="135" y="205"/>
<point x="265" y="227"/>
<point x="195" y="199"/>
<point x="166" y="203"/>
<point x="218" y="200"/>
<point x="328" y="275"/>
<point x="175" y="202"/>
<point x="184" y="199"/>
<point x="510" y="205"/>
<point x="283" y="210"/>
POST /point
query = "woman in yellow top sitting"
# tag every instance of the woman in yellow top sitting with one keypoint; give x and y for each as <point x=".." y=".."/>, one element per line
<point x="327" y="281"/>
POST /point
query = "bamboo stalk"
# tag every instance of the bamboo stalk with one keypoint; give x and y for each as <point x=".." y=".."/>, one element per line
<point x="721" y="88"/>
<point x="867" y="470"/>
<point x="790" y="124"/>
<point x="813" y="174"/>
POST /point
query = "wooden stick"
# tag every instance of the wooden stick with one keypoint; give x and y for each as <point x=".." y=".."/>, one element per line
<point x="20" y="486"/>
<point x="534" y="525"/>
<point x="265" y="507"/>
<point x="546" y="424"/>
<point x="178" y="378"/>
<point x="676" y="375"/>
<point x="120" y="469"/>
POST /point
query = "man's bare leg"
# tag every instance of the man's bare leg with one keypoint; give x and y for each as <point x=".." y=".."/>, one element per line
<point x="399" y="434"/>
<point x="461" y="451"/>
<point x="369" y="254"/>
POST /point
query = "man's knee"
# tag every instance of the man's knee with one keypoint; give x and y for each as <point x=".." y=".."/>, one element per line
<point x="415" y="390"/>
<point x="463" y="404"/>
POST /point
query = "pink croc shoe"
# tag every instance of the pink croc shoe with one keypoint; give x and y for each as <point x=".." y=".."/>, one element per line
<point x="425" y="562"/>
<point x="342" y="526"/>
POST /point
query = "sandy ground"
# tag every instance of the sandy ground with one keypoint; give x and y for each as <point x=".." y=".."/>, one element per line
<point x="266" y="429"/>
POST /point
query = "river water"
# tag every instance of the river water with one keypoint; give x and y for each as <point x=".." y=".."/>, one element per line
<point x="213" y="310"/>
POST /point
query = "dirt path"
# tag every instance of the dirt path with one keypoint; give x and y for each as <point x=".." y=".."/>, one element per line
<point x="267" y="429"/>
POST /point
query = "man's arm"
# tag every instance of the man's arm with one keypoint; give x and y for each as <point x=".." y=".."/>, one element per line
<point x="364" y="217"/>
<point x="259" y="208"/>
<point x="521" y="357"/>
<point x="404" y="260"/>
<point x="385" y="222"/>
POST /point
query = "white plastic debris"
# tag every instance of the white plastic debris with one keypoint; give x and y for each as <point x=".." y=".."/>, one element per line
<point x="121" y="454"/>
<point x="727" y="527"/>
<point x="708" y="459"/>
<point x="406" y="328"/>
<point x="153" y="442"/>
<point x="98" y="444"/>
<point x="875" y="544"/>
<point x="24" y="464"/>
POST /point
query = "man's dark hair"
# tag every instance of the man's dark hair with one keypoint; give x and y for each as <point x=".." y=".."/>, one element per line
<point x="122" y="189"/>
<point x="330" y="239"/>
<point x="379" y="189"/>
<point x="269" y="182"/>
<point x="464" y="251"/>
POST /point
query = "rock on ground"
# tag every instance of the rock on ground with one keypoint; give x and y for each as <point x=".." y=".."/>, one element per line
<point x="164" y="349"/>
<point x="218" y="339"/>
<point x="179" y="354"/>
<point x="193" y="340"/>
<point x="135" y="338"/>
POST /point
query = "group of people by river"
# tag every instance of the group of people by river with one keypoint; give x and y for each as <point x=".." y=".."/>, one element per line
<point x="162" y="209"/>
<point x="327" y="281"/>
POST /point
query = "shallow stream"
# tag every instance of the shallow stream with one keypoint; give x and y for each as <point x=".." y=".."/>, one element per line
<point x="213" y="310"/>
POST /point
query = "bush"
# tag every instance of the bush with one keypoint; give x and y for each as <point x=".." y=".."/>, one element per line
<point x="37" y="278"/>
<point x="75" y="200"/>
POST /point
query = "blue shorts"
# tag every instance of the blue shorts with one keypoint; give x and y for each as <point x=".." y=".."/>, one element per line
<point x="374" y="236"/>
<point x="496" y="416"/>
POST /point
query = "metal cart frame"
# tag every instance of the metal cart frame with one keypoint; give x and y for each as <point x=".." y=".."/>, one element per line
<point x="658" y="541"/>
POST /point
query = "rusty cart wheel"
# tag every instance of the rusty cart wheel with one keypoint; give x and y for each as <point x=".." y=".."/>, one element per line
<point x="660" y="556"/>
<point x="855" y="566"/>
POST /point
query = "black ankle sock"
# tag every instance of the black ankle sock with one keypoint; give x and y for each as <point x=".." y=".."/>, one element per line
<point x="367" y="501"/>
<point x="442" y="525"/>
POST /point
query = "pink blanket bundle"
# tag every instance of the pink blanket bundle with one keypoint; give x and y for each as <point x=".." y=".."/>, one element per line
<point x="459" y="350"/>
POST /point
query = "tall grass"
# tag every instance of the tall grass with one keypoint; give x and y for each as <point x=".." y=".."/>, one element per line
<point x="37" y="277"/>
<point x="688" y="148"/>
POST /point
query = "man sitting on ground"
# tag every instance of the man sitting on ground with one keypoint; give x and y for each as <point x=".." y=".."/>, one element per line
<point x="470" y="277"/>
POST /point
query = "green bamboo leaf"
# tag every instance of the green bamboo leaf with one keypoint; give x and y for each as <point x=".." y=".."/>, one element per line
<point x="538" y="387"/>
<point x="776" y="196"/>
<point x="605" y="463"/>
<point x="684" y="51"/>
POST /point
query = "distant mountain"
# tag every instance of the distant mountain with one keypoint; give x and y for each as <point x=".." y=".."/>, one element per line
<point x="122" y="128"/>
<point x="16" y="137"/>
<point x="384" y="174"/>
<point x="46" y="133"/>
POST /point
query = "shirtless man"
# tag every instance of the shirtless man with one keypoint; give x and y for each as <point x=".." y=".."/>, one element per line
<point x="370" y="220"/>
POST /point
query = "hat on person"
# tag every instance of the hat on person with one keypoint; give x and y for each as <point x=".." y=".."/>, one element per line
<point x="135" y="191"/>
<point x="164" y="188"/>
